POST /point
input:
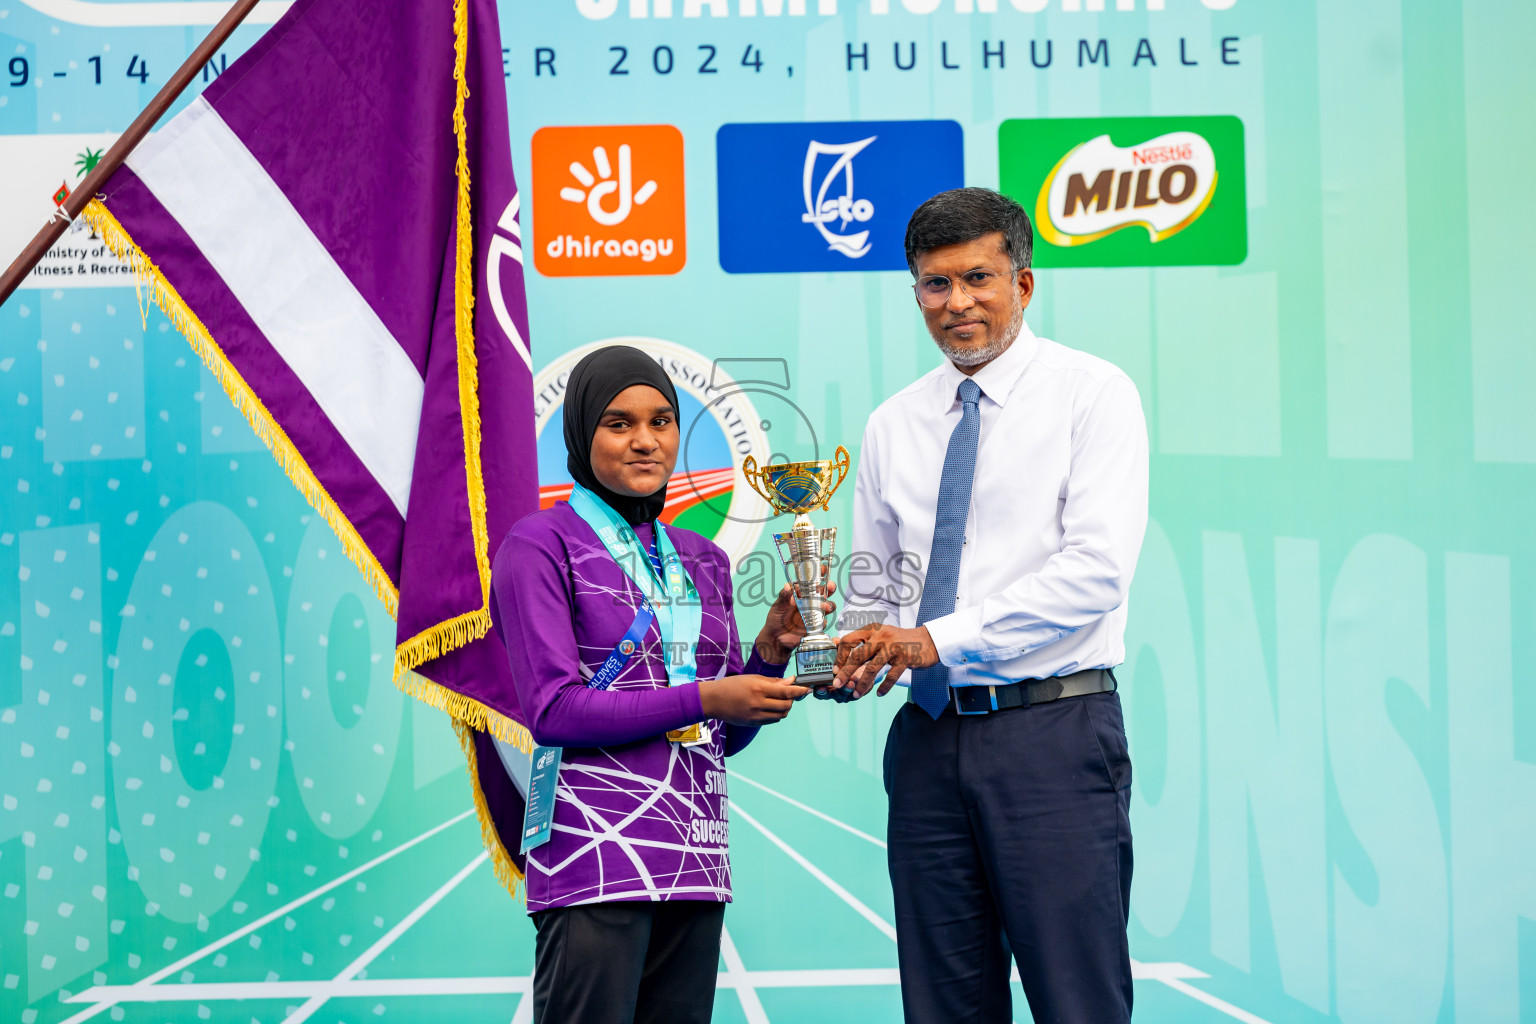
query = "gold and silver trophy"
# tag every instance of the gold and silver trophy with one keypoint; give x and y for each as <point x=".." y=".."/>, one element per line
<point x="799" y="487"/>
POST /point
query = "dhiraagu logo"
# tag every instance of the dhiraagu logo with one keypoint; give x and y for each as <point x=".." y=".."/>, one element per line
<point x="1129" y="191"/>
<point x="608" y="200"/>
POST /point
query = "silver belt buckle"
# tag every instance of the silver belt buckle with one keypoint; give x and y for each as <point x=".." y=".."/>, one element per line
<point x="991" y="694"/>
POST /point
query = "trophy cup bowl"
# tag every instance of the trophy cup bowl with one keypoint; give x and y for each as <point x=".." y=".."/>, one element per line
<point x="798" y="487"/>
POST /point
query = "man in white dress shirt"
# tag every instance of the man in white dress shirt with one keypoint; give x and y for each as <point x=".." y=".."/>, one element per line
<point x="1013" y="481"/>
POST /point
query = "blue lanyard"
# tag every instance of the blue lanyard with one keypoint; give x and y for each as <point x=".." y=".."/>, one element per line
<point x="661" y="577"/>
<point x="664" y="584"/>
<point x="619" y="656"/>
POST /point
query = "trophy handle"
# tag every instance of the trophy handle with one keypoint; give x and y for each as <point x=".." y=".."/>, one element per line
<point x="840" y="461"/>
<point x="750" y="470"/>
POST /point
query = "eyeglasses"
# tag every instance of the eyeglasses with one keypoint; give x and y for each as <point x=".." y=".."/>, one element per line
<point x="981" y="285"/>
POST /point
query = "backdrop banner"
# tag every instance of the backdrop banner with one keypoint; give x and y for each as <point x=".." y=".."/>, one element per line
<point x="1293" y="227"/>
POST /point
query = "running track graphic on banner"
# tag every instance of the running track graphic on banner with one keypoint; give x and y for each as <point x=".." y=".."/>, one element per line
<point x="826" y="900"/>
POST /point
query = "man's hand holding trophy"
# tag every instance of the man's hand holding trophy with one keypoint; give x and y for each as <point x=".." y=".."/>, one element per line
<point x="806" y="552"/>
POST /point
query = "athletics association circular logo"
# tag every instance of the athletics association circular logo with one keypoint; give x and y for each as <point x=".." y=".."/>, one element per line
<point x="720" y="427"/>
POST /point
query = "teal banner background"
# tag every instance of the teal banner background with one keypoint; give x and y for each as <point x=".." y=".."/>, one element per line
<point x="1335" y="788"/>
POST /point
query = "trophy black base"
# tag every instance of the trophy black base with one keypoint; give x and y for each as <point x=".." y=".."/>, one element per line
<point x="813" y="667"/>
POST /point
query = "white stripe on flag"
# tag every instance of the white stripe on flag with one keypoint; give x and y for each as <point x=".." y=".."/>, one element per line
<point x="290" y="286"/>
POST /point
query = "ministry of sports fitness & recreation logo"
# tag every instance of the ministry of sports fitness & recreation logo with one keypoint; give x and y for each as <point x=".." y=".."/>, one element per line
<point x="830" y="195"/>
<point x="37" y="175"/>
<point x="1129" y="191"/>
<point x="720" y="426"/>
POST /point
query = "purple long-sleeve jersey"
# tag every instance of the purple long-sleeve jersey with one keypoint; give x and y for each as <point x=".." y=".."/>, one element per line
<point x="637" y="817"/>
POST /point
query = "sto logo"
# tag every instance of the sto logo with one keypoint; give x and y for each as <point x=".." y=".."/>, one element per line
<point x="843" y="208"/>
<point x="798" y="197"/>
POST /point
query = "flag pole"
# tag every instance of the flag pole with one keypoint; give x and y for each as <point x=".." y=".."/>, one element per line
<point x="71" y="207"/>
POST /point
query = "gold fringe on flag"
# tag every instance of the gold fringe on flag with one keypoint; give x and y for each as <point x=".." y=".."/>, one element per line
<point x="164" y="295"/>
<point x="463" y="629"/>
<point x="466" y="713"/>
<point x="431" y="644"/>
<point x="506" y="869"/>
<point x="466" y="709"/>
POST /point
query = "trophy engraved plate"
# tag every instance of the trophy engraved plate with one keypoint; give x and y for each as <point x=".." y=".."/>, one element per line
<point x="798" y="487"/>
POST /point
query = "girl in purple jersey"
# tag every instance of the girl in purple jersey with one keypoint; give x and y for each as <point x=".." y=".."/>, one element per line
<point x="628" y="894"/>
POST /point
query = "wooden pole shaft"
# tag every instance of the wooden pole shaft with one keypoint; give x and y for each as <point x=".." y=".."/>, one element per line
<point x="44" y="239"/>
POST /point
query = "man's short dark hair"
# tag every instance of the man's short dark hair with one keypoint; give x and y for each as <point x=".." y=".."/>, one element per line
<point x="964" y="215"/>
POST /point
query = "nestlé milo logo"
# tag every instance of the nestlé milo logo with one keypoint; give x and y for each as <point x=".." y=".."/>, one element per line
<point x="1131" y="191"/>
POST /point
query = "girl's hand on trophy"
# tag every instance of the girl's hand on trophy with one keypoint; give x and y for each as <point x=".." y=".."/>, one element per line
<point x="748" y="700"/>
<point x="784" y="629"/>
<point x="862" y="653"/>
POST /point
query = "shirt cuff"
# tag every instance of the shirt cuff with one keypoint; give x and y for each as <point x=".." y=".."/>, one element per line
<point x="955" y="636"/>
<point x="756" y="666"/>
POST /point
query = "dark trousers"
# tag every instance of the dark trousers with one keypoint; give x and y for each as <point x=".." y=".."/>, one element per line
<point x="613" y="963"/>
<point x="1010" y="832"/>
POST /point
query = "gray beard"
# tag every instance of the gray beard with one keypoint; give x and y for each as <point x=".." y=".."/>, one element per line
<point x="995" y="348"/>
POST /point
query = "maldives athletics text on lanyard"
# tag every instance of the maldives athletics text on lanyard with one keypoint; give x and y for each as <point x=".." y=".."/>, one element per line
<point x="670" y="596"/>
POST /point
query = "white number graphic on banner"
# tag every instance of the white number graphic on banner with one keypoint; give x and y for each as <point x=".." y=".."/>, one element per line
<point x="343" y="709"/>
<point x="195" y="702"/>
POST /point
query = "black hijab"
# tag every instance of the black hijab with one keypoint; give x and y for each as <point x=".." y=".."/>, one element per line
<point x="594" y="382"/>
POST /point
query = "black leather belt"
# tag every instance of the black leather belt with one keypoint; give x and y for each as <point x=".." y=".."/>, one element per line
<point x="983" y="700"/>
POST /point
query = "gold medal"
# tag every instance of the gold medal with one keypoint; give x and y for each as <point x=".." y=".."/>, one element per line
<point x="693" y="736"/>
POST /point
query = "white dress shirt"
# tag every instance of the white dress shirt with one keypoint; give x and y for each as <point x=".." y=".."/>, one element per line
<point x="1058" y="509"/>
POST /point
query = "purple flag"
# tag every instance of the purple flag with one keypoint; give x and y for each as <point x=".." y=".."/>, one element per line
<point x="334" y="226"/>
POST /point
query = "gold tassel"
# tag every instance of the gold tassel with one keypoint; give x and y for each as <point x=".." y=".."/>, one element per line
<point x="467" y="710"/>
<point x="506" y="869"/>
<point x="464" y="318"/>
<point x="438" y="640"/>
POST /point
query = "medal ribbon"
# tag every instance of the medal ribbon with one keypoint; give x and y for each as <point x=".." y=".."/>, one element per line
<point x="671" y="594"/>
<point x="668" y="597"/>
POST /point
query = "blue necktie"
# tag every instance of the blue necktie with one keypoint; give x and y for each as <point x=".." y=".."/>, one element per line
<point x="930" y="686"/>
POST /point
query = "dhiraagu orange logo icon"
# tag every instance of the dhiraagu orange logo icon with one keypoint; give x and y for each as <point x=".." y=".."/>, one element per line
<point x="608" y="200"/>
<point x="1152" y="191"/>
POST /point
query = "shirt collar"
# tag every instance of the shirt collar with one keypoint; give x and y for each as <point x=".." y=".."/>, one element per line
<point x="998" y="377"/>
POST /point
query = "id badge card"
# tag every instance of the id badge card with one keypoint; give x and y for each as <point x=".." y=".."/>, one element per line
<point x="539" y="815"/>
